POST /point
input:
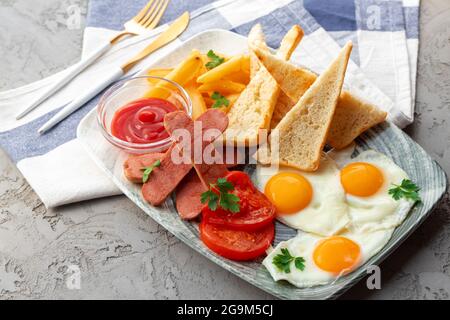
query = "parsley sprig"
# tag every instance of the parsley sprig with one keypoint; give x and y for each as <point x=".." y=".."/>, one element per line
<point x="219" y="100"/>
<point x="407" y="189"/>
<point x="148" y="170"/>
<point x="284" y="259"/>
<point x="215" y="60"/>
<point x="225" y="199"/>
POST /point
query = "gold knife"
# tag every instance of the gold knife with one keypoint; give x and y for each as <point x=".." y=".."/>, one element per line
<point x="172" y="32"/>
<point x="167" y="36"/>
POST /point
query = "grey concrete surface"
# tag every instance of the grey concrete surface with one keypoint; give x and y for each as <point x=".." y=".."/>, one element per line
<point x="122" y="253"/>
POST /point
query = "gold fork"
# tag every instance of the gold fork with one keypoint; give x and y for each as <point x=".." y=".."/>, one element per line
<point x="147" y="19"/>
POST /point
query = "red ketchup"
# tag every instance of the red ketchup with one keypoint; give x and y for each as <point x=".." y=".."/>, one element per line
<point x="141" y="121"/>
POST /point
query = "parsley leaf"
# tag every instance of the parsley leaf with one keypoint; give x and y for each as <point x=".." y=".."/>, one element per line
<point x="284" y="259"/>
<point x="215" y="60"/>
<point x="148" y="170"/>
<point x="219" y="100"/>
<point x="224" y="199"/>
<point x="407" y="189"/>
<point x="230" y="202"/>
<point x="224" y="185"/>
<point x="211" y="197"/>
<point x="299" y="263"/>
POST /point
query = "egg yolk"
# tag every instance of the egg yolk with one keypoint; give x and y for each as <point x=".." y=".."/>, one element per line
<point x="361" y="179"/>
<point x="336" y="254"/>
<point x="289" y="192"/>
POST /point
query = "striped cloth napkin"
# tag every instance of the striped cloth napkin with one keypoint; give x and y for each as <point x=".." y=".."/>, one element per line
<point x="384" y="60"/>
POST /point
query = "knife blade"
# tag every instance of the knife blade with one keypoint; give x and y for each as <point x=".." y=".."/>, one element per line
<point x="175" y="29"/>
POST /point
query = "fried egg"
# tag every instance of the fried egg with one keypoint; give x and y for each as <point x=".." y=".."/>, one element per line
<point x="326" y="258"/>
<point x="309" y="201"/>
<point x="366" y="180"/>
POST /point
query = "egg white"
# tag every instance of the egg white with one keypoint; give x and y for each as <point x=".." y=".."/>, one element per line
<point x="303" y="245"/>
<point x="368" y="221"/>
<point x="327" y="213"/>
<point x="379" y="211"/>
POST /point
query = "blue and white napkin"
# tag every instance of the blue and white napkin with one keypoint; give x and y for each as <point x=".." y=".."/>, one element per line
<point x="383" y="69"/>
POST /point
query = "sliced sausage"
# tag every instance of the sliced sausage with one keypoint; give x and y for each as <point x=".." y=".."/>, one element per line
<point x="132" y="167"/>
<point x="190" y="189"/>
<point x="164" y="179"/>
<point x="187" y="196"/>
<point x="211" y="119"/>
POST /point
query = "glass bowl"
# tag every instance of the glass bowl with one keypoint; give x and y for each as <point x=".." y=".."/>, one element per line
<point x="128" y="90"/>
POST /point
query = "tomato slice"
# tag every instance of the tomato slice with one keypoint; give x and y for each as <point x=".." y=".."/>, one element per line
<point x="239" y="179"/>
<point x="256" y="211"/>
<point x="235" y="244"/>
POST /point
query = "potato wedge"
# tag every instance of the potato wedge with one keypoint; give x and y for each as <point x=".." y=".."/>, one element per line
<point x="245" y="64"/>
<point x="206" y="59"/>
<point x="290" y="42"/>
<point x="203" y="69"/>
<point x="198" y="103"/>
<point x="181" y="74"/>
<point x="222" y="86"/>
<point x="157" y="73"/>
<point x="228" y="67"/>
<point x="240" y="77"/>
<point x="230" y="97"/>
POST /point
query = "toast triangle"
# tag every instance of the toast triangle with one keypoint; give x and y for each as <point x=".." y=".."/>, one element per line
<point x="303" y="130"/>
<point x="252" y="111"/>
<point x="352" y="117"/>
<point x="353" y="114"/>
<point x="256" y="38"/>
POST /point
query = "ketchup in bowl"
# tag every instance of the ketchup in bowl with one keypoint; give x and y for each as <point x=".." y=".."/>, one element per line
<point x="141" y="121"/>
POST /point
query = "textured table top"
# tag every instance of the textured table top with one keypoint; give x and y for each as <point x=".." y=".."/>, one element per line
<point x="122" y="253"/>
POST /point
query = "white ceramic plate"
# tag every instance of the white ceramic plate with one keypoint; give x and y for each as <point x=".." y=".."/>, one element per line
<point x="386" y="138"/>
